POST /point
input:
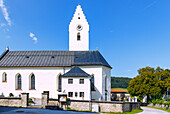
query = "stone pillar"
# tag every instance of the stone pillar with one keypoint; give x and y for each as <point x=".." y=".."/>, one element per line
<point x="135" y="99"/>
<point x="44" y="99"/>
<point x="129" y="99"/>
<point x="24" y="99"/>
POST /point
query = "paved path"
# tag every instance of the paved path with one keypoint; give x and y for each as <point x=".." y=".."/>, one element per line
<point x="13" y="110"/>
<point x="147" y="110"/>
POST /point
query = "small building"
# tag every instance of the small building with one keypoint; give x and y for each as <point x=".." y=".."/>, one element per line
<point x="119" y="94"/>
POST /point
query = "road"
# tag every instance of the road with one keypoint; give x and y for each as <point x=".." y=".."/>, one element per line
<point x="13" y="110"/>
<point x="147" y="110"/>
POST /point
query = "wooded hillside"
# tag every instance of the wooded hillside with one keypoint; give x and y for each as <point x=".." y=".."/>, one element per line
<point x="120" y="82"/>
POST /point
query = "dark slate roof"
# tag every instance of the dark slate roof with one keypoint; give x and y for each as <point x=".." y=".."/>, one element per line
<point x="51" y="58"/>
<point x="76" y="71"/>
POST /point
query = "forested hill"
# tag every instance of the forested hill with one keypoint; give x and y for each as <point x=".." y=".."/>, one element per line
<point x="120" y="82"/>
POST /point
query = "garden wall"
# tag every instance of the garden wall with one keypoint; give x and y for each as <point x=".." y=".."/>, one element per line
<point x="15" y="102"/>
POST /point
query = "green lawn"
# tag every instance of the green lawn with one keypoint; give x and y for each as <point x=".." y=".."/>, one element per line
<point x="120" y="88"/>
<point x="158" y="108"/>
<point x="132" y="112"/>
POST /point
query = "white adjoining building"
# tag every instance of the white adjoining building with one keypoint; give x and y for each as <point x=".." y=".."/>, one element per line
<point x="58" y="72"/>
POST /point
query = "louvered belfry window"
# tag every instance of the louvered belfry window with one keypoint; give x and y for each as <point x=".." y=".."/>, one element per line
<point x="78" y="36"/>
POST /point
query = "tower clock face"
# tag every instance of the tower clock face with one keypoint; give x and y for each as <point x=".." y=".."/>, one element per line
<point x="79" y="27"/>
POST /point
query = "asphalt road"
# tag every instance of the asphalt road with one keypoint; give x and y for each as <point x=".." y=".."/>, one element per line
<point x="147" y="110"/>
<point x="13" y="110"/>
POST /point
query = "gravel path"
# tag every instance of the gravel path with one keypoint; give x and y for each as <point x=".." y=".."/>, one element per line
<point x="147" y="110"/>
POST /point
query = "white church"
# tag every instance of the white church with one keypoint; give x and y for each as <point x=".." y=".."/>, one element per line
<point x="79" y="73"/>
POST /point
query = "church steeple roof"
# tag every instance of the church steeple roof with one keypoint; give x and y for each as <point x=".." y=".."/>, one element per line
<point x="79" y="13"/>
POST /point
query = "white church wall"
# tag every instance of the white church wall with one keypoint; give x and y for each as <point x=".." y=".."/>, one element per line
<point x="106" y="72"/>
<point x="76" y="87"/>
<point x="97" y="72"/>
<point x="45" y="80"/>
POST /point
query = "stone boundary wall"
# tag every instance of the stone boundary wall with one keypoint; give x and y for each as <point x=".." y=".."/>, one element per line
<point x="12" y="102"/>
<point x="158" y="105"/>
<point x="104" y="106"/>
<point x="15" y="102"/>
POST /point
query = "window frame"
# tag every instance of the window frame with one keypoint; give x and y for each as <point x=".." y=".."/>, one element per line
<point x="81" y="94"/>
<point x="81" y="81"/>
<point x="70" y="93"/>
<point x="78" y="36"/>
<point x="76" y="94"/>
<point x="70" y="81"/>
<point x="18" y="82"/>
<point x="4" y="77"/>
<point x="31" y="82"/>
<point x="93" y="83"/>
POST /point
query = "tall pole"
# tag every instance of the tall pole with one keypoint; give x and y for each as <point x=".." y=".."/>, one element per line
<point x="90" y="96"/>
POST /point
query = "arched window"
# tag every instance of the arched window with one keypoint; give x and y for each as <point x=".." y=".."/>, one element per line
<point x="18" y="82"/>
<point x="92" y="83"/>
<point x="59" y="82"/>
<point x="78" y="36"/>
<point x="4" y="77"/>
<point x="32" y="78"/>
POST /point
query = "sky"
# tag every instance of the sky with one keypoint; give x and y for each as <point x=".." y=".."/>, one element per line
<point x="130" y="34"/>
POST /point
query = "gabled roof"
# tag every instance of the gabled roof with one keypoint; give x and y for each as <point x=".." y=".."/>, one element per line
<point x="76" y="71"/>
<point x="51" y="59"/>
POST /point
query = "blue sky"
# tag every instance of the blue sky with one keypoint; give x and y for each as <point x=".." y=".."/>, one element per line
<point x="130" y="34"/>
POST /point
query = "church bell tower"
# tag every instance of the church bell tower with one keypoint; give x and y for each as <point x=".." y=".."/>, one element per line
<point x="79" y="32"/>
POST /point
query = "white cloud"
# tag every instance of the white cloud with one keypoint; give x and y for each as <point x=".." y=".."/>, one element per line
<point x="5" y="12"/>
<point x="35" y="39"/>
<point x="31" y="35"/>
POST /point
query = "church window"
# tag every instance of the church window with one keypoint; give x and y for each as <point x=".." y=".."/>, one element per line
<point x="4" y="77"/>
<point x="70" y="81"/>
<point x="70" y="94"/>
<point x="78" y="36"/>
<point x="32" y="81"/>
<point x="92" y="83"/>
<point x="18" y="81"/>
<point x="81" y="94"/>
<point x="59" y="83"/>
<point x="81" y="81"/>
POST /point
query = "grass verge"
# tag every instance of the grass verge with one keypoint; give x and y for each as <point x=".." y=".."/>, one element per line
<point x="158" y="108"/>
<point x="132" y="112"/>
